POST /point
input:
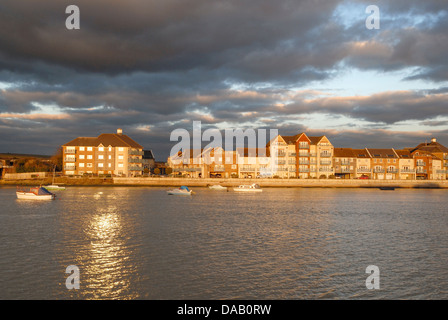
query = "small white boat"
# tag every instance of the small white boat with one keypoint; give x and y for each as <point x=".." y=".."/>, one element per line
<point x="182" y="191"/>
<point x="36" y="193"/>
<point x="217" y="187"/>
<point x="54" y="187"/>
<point x="248" y="188"/>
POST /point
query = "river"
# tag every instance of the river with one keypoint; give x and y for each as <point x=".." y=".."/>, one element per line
<point x="282" y="243"/>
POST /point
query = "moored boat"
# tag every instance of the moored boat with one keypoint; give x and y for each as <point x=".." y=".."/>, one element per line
<point x="34" y="193"/>
<point x="217" y="187"/>
<point x="54" y="187"/>
<point x="180" y="191"/>
<point x="248" y="188"/>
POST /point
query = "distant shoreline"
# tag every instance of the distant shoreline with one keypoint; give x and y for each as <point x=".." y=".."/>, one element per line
<point x="231" y="182"/>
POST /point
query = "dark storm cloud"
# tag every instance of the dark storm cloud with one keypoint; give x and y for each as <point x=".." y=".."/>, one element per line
<point x="154" y="66"/>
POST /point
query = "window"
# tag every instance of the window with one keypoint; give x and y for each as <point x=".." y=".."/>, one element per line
<point x="109" y="165"/>
<point x="110" y="149"/>
<point x="100" y="165"/>
<point x="89" y="165"/>
<point x="101" y="149"/>
<point x="121" y="149"/>
<point x="81" y="156"/>
<point x="81" y="165"/>
<point x="89" y="156"/>
<point x="120" y="165"/>
<point x="89" y="148"/>
<point x="82" y="148"/>
<point x="100" y="157"/>
<point x="233" y="166"/>
<point x="120" y="157"/>
<point x="110" y="157"/>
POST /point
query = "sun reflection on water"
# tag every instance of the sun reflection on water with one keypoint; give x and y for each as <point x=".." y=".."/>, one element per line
<point x="107" y="270"/>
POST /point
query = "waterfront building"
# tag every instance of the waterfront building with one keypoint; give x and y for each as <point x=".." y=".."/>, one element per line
<point x="363" y="164"/>
<point x="321" y="157"/>
<point x="109" y="153"/>
<point x="427" y="165"/>
<point x="345" y="162"/>
<point x="439" y="151"/>
<point x="406" y="165"/>
<point x="253" y="163"/>
<point x="384" y="163"/>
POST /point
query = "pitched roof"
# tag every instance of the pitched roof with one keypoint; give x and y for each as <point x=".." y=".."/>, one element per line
<point x="361" y="153"/>
<point x="82" y="142"/>
<point x="315" y="140"/>
<point x="105" y="139"/>
<point x="404" y="153"/>
<point x="433" y="147"/>
<point x="344" y="153"/>
<point x="382" y="153"/>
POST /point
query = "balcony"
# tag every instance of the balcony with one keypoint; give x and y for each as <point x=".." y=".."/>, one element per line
<point x="345" y="170"/>
<point x="70" y="151"/>
<point x="304" y="146"/>
<point x="419" y="170"/>
<point x="325" y="170"/>
<point x="441" y="171"/>
<point x="282" y="162"/>
<point x="70" y="159"/>
<point x="135" y="160"/>
<point x="218" y="169"/>
<point x="69" y="168"/>
<point x="407" y="170"/>
<point x="325" y="162"/>
<point x="292" y="163"/>
<point x="379" y="170"/>
<point x="364" y="170"/>
<point x="292" y="154"/>
<point x="187" y="169"/>
<point x="303" y="170"/>
<point x="421" y="163"/>
<point x="304" y="154"/>
<point x="135" y="168"/>
<point x="345" y="163"/>
<point x="304" y="161"/>
<point x="325" y="155"/>
<point x="136" y="152"/>
<point x="281" y="154"/>
<point x="313" y="155"/>
<point x="247" y="169"/>
<point x="392" y="170"/>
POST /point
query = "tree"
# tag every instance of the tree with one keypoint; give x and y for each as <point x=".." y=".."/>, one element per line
<point x="169" y="170"/>
<point x="56" y="159"/>
<point x="156" y="171"/>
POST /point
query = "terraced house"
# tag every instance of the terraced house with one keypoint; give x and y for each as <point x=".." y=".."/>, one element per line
<point x="305" y="157"/>
<point x="109" y="153"/>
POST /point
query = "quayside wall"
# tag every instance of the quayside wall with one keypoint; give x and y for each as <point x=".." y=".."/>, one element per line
<point x="292" y="183"/>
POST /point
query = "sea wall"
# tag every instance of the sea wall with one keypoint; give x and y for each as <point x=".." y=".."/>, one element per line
<point x="292" y="183"/>
<point x="25" y="175"/>
<point x="192" y="182"/>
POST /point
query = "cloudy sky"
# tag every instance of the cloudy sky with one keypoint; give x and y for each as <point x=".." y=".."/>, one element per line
<point x="152" y="66"/>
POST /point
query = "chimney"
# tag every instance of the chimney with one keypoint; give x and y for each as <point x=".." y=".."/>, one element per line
<point x="119" y="131"/>
<point x="433" y="140"/>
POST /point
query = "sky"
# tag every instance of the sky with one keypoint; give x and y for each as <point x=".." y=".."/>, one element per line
<point x="150" y="67"/>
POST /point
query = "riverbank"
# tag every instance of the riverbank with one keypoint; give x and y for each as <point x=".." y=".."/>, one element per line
<point x="265" y="183"/>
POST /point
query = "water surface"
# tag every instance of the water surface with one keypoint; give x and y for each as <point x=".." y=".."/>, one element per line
<point x="283" y="243"/>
